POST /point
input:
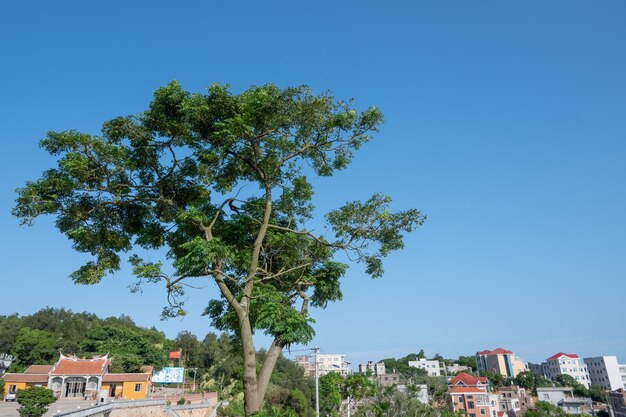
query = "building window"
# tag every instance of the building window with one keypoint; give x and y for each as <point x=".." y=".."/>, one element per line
<point x="137" y="387"/>
<point x="12" y="389"/>
<point x="482" y="411"/>
<point x="470" y="404"/>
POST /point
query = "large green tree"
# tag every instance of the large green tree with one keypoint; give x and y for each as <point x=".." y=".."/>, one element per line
<point x="220" y="181"/>
<point x="33" y="347"/>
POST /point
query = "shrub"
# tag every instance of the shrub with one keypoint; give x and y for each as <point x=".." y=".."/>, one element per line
<point x="34" y="401"/>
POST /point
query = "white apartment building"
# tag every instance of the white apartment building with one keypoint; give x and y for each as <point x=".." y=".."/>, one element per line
<point x="326" y="363"/>
<point x="604" y="372"/>
<point x="622" y="373"/>
<point x="332" y="362"/>
<point x="432" y="367"/>
<point x="566" y="364"/>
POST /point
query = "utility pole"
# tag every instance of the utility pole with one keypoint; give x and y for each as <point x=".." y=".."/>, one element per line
<point x="317" y="384"/>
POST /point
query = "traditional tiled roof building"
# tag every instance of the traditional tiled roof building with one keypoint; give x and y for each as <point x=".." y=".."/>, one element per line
<point x="72" y="377"/>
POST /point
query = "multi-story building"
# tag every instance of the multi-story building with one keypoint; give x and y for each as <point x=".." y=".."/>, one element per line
<point x="473" y="402"/>
<point x="564" y="398"/>
<point x="514" y="401"/>
<point x="622" y="372"/>
<point x="604" y="372"/>
<point x="470" y="395"/>
<point x="617" y="402"/>
<point x="326" y="363"/>
<point x="500" y="361"/>
<point x="566" y="364"/>
<point x="332" y="362"/>
<point x="373" y="368"/>
<point x="431" y="366"/>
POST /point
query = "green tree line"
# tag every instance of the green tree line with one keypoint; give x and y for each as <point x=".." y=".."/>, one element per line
<point x="37" y="339"/>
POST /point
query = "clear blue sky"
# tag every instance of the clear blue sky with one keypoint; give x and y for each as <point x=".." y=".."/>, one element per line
<point x="505" y="124"/>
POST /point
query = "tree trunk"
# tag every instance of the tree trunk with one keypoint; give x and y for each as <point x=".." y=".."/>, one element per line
<point x="268" y="367"/>
<point x="250" y="387"/>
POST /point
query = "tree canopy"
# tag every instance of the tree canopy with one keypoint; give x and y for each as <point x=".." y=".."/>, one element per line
<point x="220" y="181"/>
<point x="34" y="401"/>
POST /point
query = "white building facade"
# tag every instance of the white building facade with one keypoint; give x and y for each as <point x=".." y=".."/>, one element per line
<point x="604" y="372"/>
<point x="431" y="366"/>
<point x="566" y="364"/>
<point x="326" y="363"/>
<point x="332" y="362"/>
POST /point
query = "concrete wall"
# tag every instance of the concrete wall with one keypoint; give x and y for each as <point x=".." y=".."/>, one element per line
<point x="143" y="408"/>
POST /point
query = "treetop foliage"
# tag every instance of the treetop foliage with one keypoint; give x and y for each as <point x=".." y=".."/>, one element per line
<point x="172" y="177"/>
<point x="219" y="181"/>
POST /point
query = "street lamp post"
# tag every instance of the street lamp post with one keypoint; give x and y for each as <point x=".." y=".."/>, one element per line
<point x="195" y="370"/>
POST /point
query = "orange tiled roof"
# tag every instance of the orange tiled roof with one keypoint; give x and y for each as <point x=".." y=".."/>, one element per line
<point x="73" y="365"/>
<point x="38" y="369"/>
<point x="125" y="377"/>
<point x="147" y="369"/>
<point x="468" y="380"/>
<point x="32" y="378"/>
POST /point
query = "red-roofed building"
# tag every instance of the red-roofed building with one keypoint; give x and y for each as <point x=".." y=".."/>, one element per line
<point x="38" y="369"/>
<point x="561" y="355"/>
<point x="76" y="377"/>
<point x="469" y="381"/>
<point x="469" y="395"/>
<point x="500" y="361"/>
<point x="566" y="364"/>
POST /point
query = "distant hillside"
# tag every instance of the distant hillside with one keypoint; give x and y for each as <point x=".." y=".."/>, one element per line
<point x="37" y="339"/>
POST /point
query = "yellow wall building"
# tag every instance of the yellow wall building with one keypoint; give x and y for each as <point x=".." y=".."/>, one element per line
<point x="74" y="377"/>
<point x="500" y="361"/>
